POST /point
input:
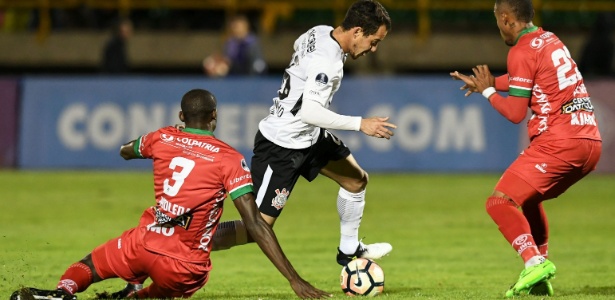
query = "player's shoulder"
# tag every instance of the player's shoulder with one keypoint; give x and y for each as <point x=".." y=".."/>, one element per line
<point x="319" y="42"/>
<point x="536" y="41"/>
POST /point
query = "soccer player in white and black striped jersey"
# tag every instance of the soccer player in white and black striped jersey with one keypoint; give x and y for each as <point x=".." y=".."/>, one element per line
<point x="293" y="140"/>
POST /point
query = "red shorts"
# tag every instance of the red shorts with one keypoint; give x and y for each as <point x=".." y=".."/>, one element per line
<point x="126" y="258"/>
<point x="547" y="169"/>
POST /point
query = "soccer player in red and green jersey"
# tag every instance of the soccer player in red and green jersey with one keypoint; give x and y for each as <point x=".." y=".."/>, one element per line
<point x="193" y="173"/>
<point x="565" y="144"/>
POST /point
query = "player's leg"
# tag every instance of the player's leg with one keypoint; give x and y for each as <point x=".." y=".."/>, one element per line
<point x="333" y="159"/>
<point x="516" y="229"/>
<point x="542" y="172"/>
<point x="76" y="278"/>
<point x="173" y="278"/>
<point x="275" y="171"/>
<point x="536" y="216"/>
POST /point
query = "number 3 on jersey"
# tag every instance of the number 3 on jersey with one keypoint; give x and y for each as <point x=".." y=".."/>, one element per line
<point x="563" y="62"/>
<point x="186" y="166"/>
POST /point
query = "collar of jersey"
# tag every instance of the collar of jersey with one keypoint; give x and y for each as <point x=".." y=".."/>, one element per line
<point x="198" y="131"/>
<point x="524" y="31"/>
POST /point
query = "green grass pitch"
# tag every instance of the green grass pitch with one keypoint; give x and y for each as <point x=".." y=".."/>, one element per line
<point x="444" y="244"/>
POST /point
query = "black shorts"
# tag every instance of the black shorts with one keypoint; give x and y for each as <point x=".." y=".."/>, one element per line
<point x="275" y="169"/>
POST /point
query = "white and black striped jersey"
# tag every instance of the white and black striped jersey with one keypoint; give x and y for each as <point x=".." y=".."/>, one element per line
<point x="315" y="74"/>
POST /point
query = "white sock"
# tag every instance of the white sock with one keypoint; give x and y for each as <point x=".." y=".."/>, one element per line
<point x="535" y="260"/>
<point x="350" y="209"/>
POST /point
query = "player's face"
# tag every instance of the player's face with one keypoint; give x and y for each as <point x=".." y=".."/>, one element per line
<point x="363" y="44"/>
<point x="502" y="19"/>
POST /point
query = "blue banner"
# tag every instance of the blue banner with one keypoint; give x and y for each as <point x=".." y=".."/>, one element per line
<point x="81" y="122"/>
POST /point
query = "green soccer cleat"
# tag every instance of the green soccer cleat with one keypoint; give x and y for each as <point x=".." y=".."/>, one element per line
<point x="530" y="277"/>
<point x="543" y="288"/>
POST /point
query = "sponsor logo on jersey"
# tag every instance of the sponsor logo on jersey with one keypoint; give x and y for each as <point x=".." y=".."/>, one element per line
<point x="523" y="243"/>
<point x="212" y="221"/>
<point x="166" y="138"/>
<point x="322" y="79"/>
<point x="311" y="41"/>
<point x="545" y="108"/>
<point x="280" y="199"/>
<point x="189" y="142"/>
<point x="244" y="165"/>
<point x="581" y="111"/>
<point x="521" y="79"/>
<point x="578" y="104"/>
<point x="536" y="43"/>
<point x="240" y="178"/>
<point x="313" y="92"/>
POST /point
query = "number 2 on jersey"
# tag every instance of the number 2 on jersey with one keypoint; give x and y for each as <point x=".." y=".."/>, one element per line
<point x="562" y="60"/>
<point x="187" y="165"/>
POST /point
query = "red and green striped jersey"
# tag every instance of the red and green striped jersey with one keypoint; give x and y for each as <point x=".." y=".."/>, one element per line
<point x="193" y="172"/>
<point x="540" y="68"/>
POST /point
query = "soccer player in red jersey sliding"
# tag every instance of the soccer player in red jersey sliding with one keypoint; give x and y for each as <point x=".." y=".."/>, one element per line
<point x="193" y="173"/>
<point x="565" y="144"/>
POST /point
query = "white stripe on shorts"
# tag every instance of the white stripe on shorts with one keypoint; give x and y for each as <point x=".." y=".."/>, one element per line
<point x="263" y="188"/>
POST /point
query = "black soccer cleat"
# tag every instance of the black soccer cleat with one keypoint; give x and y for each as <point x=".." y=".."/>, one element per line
<point x="130" y="291"/>
<point x="36" y="294"/>
<point x="127" y="292"/>
<point x="371" y="251"/>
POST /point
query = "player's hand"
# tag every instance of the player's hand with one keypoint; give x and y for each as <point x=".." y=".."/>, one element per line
<point x="305" y="290"/>
<point x="482" y="78"/>
<point x="468" y="86"/>
<point x="377" y="127"/>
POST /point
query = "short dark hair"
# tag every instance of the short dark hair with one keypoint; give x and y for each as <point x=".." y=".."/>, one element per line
<point x="198" y="104"/>
<point x="523" y="9"/>
<point x="367" y="14"/>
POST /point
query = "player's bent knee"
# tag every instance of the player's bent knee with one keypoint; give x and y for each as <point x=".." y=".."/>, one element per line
<point x="494" y="201"/>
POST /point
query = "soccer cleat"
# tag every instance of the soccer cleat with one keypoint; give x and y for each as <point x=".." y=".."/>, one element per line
<point x="543" y="288"/>
<point x="531" y="277"/>
<point x="127" y="292"/>
<point x="371" y="251"/>
<point x="36" y="294"/>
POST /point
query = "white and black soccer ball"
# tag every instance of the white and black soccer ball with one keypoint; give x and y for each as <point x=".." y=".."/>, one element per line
<point x="362" y="277"/>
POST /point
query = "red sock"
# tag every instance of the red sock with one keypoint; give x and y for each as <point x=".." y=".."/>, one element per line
<point x="513" y="226"/>
<point x="77" y="278"/>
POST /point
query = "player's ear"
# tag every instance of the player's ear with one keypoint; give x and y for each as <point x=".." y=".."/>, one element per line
<point x="357" y="31"/>
<point x="181" y="116"/>
<point x="214" y="114"/>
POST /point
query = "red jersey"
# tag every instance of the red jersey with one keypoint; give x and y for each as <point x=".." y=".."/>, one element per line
<point x="193" y="172"/>
<point x="540" y="68"/>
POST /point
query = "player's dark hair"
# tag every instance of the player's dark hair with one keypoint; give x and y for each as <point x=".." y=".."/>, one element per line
<point x="367" y="14"/>
<point x="198" y="104"/>
<point x="523" y="9"/>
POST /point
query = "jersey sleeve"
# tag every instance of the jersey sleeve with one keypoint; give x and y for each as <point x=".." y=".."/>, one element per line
<point x="321" y="75"/>
<point x="237" y="177"/>
<point x="521" y="66"/>
<point x="143" y="145"/>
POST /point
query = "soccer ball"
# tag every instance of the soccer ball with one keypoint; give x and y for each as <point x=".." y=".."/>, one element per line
<point x="362" y="277"/>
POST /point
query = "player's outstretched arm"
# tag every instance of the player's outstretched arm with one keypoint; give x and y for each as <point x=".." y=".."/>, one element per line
<point x="265" y="238"/>
<point x="127" y="151"/>
<point x="377" y="127"/>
